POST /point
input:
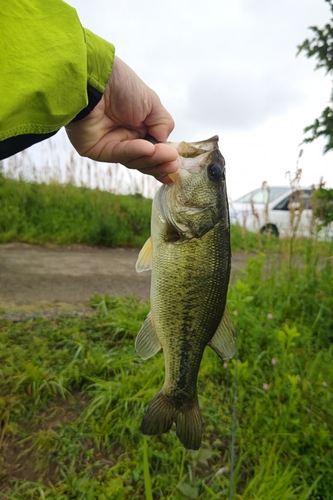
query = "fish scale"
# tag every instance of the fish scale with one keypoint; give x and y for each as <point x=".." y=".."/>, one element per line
<point x="185" y="313"/>
<point x="189" y="255"/>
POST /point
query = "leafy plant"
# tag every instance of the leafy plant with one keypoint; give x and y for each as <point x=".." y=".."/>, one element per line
<point x="321" y="47"/>
<point x="73" y="393"/>
<point x="323" y="207"/>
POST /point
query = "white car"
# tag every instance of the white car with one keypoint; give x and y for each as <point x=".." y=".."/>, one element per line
<point x="278" y="210"/>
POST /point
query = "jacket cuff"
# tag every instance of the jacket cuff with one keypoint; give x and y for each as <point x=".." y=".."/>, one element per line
<point x="100" y="59"/>
<point x="94" y="96"/>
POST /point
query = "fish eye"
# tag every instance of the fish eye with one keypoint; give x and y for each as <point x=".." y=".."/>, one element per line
<point x="215" y="172"/>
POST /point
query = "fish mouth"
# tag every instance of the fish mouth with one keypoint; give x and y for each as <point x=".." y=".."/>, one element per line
<point x="193" y="155"/>
<point x="194" y="149"/>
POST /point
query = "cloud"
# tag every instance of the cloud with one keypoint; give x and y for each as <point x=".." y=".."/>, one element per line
<point x="227" y="67"/>
<point x="238" y="99"/>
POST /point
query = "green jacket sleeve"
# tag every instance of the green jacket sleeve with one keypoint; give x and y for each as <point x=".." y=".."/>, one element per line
<point x="52" y="71"/>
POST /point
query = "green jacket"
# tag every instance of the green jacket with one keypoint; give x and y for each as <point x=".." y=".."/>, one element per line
<point x="52" y="71"/>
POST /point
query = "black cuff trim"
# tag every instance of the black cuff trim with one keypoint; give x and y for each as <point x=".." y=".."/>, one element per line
<point x="13" y="145"/>
<point x="94" y="96"/>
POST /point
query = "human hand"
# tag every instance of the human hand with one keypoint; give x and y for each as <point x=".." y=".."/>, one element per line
<point x="114" y="130"/>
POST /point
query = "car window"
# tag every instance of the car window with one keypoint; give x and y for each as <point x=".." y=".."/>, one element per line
<point x="307" y="197"/>
<point x="263" y="195"/>
<point x="301" y="198"/>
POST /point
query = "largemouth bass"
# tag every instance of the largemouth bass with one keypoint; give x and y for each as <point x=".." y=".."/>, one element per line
<point x="189" y="256"/>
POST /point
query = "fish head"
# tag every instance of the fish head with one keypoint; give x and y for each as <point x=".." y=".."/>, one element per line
<point x="197" y="199"/>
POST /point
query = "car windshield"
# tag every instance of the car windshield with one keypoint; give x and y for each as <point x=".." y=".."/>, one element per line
<point x="263" y="195"/>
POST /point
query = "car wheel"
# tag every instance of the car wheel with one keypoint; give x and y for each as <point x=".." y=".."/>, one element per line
<point x="270" y="229"/>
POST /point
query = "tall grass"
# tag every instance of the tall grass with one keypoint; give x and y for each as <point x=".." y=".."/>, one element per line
<point x="55" y="160"/>
<point x="73" y="393"/>
<point x="65" y="214"/>
<point x="40" y="213"/>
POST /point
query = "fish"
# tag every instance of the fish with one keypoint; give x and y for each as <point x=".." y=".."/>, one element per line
<point x="189" y="256"/>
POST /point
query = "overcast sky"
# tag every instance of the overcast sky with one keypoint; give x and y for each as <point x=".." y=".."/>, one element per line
<point x="228" y="67"/>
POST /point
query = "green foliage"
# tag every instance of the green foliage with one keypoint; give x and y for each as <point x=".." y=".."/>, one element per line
<point x="73" y="393"/>
<point x="321" y="47"/>
<point x="242" y="239"/>
<point x="285" y="349"/>
<point x="65" y="214"/>
<point x="323" y="206"/>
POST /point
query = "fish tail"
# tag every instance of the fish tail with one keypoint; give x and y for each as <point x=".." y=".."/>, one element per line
<point x="159" y="416"/>
<point x="189" y="425"/>
<point x="163" y="411"/>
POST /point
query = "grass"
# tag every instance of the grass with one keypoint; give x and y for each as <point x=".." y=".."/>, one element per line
<point x="73" y="393"/>
<point x="64" y="214"/>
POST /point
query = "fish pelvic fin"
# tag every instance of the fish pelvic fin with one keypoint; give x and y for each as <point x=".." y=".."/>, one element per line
<point x="147" y="343"/>
<point x="163" y="411"/>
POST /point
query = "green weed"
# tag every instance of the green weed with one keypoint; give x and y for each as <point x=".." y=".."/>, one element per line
<point x="73" y="393"/>
<point x="65" y="214"/>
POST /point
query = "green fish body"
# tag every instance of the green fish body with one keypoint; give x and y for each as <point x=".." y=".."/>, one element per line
<point x="189" y="256"/>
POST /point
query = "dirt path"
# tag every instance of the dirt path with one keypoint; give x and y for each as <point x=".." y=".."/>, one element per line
<point x="32" y="275"/>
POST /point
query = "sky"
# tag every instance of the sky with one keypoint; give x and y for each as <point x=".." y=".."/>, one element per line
<point x="228" y="67"/>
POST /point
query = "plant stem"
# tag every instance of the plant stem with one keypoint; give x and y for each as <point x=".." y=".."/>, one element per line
<point x="146" y="474"/>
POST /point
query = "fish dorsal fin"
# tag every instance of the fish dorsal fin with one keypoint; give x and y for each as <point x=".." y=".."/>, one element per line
<point x="147" y="343"/>
<point x="223" y="341"/>
<point x="145" y="258"/>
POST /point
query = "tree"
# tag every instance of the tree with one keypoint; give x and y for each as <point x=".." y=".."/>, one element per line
<point x="321" y="47"/>
<point x="323" y="206"/>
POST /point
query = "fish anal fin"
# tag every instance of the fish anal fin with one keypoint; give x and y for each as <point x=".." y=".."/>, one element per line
<point x="145" y="257"/>
<point x="163" y="411"/>
<point x="223" y="342"/>
<point x="146" y="342"/>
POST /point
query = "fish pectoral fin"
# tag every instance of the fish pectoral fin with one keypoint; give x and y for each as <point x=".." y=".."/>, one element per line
<point x="146" y="342"/>
<point x="223" y="342"/>
<point x="145" y="258"/>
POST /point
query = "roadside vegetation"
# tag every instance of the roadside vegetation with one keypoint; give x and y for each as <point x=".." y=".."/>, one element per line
<point x="73" y="391"/>
<point x="63" y="214"/>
